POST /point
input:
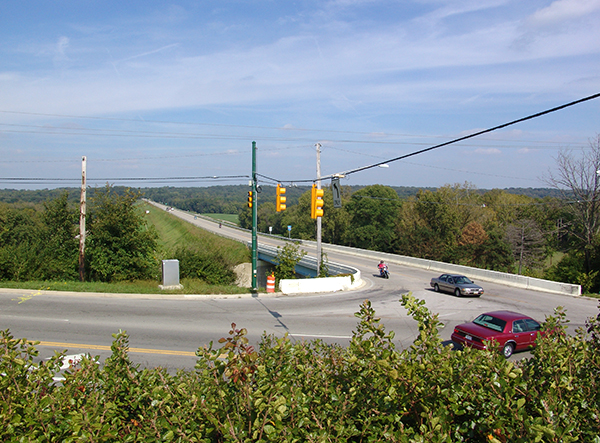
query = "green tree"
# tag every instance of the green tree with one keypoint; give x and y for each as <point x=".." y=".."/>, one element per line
<point x="20" y="243"/>
<point x="496" y="253"/>
<point x="120" y="245"/>
<point x="335" y="221"/>
<point x="245" y="217"/>
<point x="268" y="216"/>
<point x="373" y="212"/>
<point x="287" y="259"/>
<point x="298" y="217"/>
<point x="60" y="248"/>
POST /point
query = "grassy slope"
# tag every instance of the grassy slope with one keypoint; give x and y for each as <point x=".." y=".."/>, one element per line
<point x="231" y="218"/>
<point x="174" y="232"/>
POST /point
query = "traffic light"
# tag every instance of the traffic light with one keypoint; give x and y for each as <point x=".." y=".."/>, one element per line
<point x="280" y="205"/>
<point x="249" y="199"/>
<point x="316" y="202"/>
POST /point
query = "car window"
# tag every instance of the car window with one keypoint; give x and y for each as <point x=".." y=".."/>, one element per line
<point x="519" y="326"/>
<point x="532" y="325"/>
<point x="443" y="277"/>
<point x="450" y="280"/>
<point x="490" y="322"/>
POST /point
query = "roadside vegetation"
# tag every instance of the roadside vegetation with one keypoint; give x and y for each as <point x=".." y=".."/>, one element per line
<point x="228" y="218"/>
<point x="126" y="241"/>
<point x="290" y="391"/>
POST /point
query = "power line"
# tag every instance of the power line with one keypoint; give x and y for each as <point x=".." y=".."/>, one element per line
<point x="124" y="179"/>
<point x="41" y="129"/>
<point x="466" y="137"/>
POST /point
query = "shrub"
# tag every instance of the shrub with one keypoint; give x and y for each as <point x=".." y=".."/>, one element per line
<point x="287" y="391"/>
<point x="209" y="267"/>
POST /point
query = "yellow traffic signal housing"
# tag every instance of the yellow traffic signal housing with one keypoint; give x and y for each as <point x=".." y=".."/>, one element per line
<point x="281" y="198"/>
<point x="249" y="199"/>
<point x="316" y="202"/>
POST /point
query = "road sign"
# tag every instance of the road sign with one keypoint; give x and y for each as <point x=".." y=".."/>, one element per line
<point x="337" y="192"/>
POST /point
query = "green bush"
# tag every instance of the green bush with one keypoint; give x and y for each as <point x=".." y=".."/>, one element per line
<point x="210" y="267"/>
<point x="120" y="245"/>
<point x="288" y="391"/>
<point x="287" y="259"/>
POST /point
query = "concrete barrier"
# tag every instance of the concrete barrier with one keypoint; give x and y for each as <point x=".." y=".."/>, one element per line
<point x="518" y="281"/>
<point x="313" y="285"/>
<point x="308" y="268"/>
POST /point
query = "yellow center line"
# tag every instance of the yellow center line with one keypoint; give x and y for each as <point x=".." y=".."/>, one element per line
<point x="107" y="348"/>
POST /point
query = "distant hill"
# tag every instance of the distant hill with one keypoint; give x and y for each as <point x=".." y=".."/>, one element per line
<point x="226" y="199"/>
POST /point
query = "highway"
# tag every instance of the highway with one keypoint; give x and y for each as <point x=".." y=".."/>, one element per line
<point x="166" y="330"/>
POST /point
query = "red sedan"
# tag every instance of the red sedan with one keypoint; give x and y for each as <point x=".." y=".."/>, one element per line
<point x="509" y="330"/>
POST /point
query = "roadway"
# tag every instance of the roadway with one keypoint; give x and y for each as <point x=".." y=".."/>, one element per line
<point x="166" y="330"/>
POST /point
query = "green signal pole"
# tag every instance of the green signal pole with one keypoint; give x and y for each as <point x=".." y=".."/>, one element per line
<point x="254" y="220"/>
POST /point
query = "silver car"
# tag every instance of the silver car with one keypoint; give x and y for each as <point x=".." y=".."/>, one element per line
<point x="456" y="284"/>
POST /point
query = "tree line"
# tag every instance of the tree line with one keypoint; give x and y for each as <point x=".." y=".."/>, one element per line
<point x="495" y="230"/>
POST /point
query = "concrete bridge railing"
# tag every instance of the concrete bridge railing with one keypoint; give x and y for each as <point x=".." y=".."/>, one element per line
<point x="343" y="277"/>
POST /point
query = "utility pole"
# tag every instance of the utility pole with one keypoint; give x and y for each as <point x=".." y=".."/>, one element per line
<point x="82" y="220"/>
<point x="318" y="145"/>
<point x="254" y="220"/>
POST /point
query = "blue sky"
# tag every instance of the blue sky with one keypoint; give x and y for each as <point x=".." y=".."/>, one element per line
<point x="181" y="89"/>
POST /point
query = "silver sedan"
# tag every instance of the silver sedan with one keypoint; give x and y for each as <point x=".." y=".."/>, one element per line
<point x="456" y="284"/>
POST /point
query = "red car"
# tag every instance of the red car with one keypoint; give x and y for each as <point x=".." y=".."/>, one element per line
<point x="509" y="330"/>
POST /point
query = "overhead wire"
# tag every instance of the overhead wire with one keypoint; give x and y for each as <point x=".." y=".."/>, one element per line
<point x="123" y="179"/>
<point x="466" y="137"/>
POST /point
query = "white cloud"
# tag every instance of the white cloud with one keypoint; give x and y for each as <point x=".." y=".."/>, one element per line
<point x="61" y="47"/>
<point x="563" y="10"/>
<point x="488" y="151"/>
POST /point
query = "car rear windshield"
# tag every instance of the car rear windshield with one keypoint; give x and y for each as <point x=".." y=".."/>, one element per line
<point x="490" y="322"/>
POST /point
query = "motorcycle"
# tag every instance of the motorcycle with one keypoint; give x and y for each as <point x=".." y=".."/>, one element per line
<point x="383" y="272"/>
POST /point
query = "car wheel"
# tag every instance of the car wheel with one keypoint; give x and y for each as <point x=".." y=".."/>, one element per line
<point x="508" y="349"/>
<point x="436" y="288"/>
<point x="457" y="292"/>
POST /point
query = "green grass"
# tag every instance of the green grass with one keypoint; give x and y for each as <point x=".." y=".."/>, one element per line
<point x="190" y="286"/>
<point x="174" y="232"/>
<point x="230" y="218"/>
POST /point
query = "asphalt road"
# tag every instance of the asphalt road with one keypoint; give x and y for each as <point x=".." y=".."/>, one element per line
<point x="167" y="330"/>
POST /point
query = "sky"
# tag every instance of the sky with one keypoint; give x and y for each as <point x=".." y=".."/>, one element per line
<point x="174" y="93"/>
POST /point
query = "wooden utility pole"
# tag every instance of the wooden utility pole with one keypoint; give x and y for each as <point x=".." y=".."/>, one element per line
<point x="82" y="220"/>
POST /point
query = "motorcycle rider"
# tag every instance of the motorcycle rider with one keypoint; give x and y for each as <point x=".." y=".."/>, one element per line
<point x="382" y="266"/>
